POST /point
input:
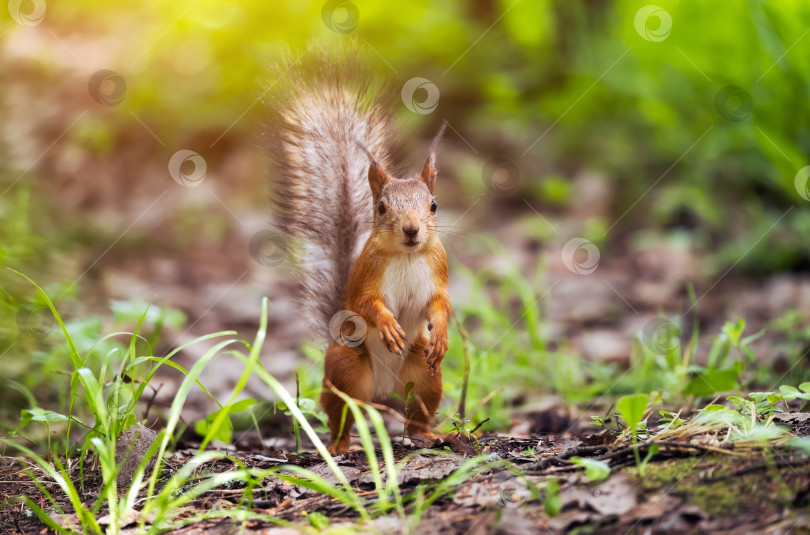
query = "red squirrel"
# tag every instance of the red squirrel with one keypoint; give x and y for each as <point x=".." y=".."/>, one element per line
<point x="367" y="244"/>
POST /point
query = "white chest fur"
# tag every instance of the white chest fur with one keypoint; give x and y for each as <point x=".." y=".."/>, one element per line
<point x="407" y="288"/>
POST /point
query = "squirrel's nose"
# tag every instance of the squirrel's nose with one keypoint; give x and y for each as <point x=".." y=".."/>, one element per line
<point x="410" y="231"/>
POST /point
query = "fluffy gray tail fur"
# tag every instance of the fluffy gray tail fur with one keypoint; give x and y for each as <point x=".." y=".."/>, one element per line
<point x="322" y="106"/>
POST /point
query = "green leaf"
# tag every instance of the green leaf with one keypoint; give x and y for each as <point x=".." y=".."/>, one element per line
<point x="759" y="397"/>
<point x="712" y="382"/>
<point x="774" y="398"/>
<point x="40" y="415"/>
<point x="595" y="470"/>
<point x="224" y="432"/>
<point x="749" y="353"/>
<point x="632" y="409"/>
<point x="791" y="392"/>
<point x="760" y="433"/>
<point x="734" y="330"/>
<point x="307" y="406"/>
<point x="671" y="419"/>
<point x="721" y="415"/>
<point x="133" y="311"/>
<point x="748" y="339"/>
<point x="552" y="504"/>
<point x="800" y="443"/>
<point x="713" y="408"/>
<point x="738" y="401"/>
<point x="318" y="520"/>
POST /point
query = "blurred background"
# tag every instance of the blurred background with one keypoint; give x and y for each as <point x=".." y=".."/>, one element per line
<point x="613" y="173"/>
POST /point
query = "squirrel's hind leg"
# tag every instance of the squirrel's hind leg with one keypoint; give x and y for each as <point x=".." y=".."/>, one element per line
<point x="347" y="369"/>
<point x="427" y="392"/>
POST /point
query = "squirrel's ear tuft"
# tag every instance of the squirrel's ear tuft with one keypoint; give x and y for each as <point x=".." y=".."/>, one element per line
<point x="377" y="178"/>
<point x="428" y="174"/>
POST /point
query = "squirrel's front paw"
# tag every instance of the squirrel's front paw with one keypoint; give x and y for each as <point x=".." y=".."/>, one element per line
<point x="392" y="335"/>
<point x="435" y="350"/>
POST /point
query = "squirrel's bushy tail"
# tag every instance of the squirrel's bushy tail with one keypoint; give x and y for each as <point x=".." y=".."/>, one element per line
<point x="322" y="105"/>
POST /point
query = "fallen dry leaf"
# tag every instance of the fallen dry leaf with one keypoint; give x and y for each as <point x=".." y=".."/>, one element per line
<point x="614" y="496"/>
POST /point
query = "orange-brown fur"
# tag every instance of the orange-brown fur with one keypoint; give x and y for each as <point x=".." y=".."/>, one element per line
<point x="330" y="119"/>
<point x="350" y="369"/>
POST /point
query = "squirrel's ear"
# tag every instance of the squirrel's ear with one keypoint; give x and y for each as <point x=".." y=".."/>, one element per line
<point x="428" y="175"/>
<point x="377" y="178"/>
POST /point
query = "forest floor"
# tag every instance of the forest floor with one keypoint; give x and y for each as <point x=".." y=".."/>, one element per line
<point x="691" y="484"/>
<point x="139" y="235"/>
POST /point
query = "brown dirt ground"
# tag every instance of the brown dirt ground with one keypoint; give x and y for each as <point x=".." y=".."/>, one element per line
<point x="691" y="485"/>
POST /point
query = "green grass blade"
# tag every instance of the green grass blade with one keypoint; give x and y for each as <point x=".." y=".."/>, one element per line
<point x="368" y="446"/>
<point x="74" y="353"/>
<point x="44" y="517"/>
<point x="165" y="360"/>
<point x="252" y="361"/>
<point x="179" y="401"/>
<point x="313" y="481"/>
<point x="289" y="400"/>
<point x="64" y="483"/>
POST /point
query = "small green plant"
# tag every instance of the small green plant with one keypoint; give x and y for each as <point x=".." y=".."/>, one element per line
<point x="112" y="412"/>
<point x="717" y="376"/>
<point x="632" y="409"/>
<point x="43" y="416"/>
<point x="318" y="521"/>
<point x="309" y="408"/>
<point x="731" y="337"/>
<point x="743" y="423"/>
<point x="802" y="393"/>
<point x="552" y="503"/>
<point x="406" y="400"/>
<point x="757" y="403"/>
<point x="595" y="470"/>
<point x="224" y="432"/>
<point x="464" y="427"/>
<point x="605" y="421"/>
<point x="620" y="425"/>
<point x="670" y="420"/>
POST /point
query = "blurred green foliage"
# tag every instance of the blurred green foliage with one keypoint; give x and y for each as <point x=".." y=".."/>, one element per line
<point x="553" y="86"/>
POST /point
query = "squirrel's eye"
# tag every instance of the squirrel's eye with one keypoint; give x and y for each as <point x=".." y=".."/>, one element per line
<point x="381" y="208"/>
<point x="433" y="206"/>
